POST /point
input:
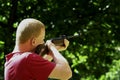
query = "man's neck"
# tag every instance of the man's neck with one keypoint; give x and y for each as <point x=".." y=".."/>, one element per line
<point x="16" y="49"/>
<point x="22" y="48"/>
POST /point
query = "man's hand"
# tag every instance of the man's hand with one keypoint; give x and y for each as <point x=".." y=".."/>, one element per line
<point x="62" y="48"/>
<point x="59" y="48"/>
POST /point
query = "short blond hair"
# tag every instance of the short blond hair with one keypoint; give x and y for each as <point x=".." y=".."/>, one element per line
<point x="28" y="28"/>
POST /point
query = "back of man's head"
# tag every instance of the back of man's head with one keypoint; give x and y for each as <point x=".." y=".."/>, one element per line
<point x="27" y="29"/>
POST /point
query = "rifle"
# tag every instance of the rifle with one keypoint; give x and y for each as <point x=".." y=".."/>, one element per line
<point x="59" y="41"/>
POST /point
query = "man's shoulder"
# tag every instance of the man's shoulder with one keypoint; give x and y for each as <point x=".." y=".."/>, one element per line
<point x="22" y="55"/>
<point x="29" y="55"/>
<point x="32" y="56"/>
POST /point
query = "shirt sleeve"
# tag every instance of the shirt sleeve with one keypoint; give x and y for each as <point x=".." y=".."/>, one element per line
<point x="39" y="67"/>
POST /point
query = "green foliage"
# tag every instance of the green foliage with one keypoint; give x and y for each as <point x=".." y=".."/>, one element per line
<point x="1" y="59"/>
<point x="95" y="55"/>
<point x="114" y="72"/>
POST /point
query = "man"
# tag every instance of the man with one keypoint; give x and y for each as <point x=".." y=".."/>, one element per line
<point x="24" y="64"/>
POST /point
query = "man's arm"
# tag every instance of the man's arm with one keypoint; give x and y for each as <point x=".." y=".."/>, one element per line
<point x="62" y="69"/>
<point x="48" y="57"/>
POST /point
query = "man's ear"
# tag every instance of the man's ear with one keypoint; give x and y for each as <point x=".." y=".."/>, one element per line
<point x="33" y="41"/>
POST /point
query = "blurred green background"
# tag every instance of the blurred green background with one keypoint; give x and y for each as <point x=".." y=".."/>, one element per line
<point x="95" y="55"/>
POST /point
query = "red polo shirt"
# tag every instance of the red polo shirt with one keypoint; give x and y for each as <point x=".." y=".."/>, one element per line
<point x="27" y="66"/>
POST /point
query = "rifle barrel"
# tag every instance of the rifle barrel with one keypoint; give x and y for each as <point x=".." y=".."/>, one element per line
<point x="69" y="37"/>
